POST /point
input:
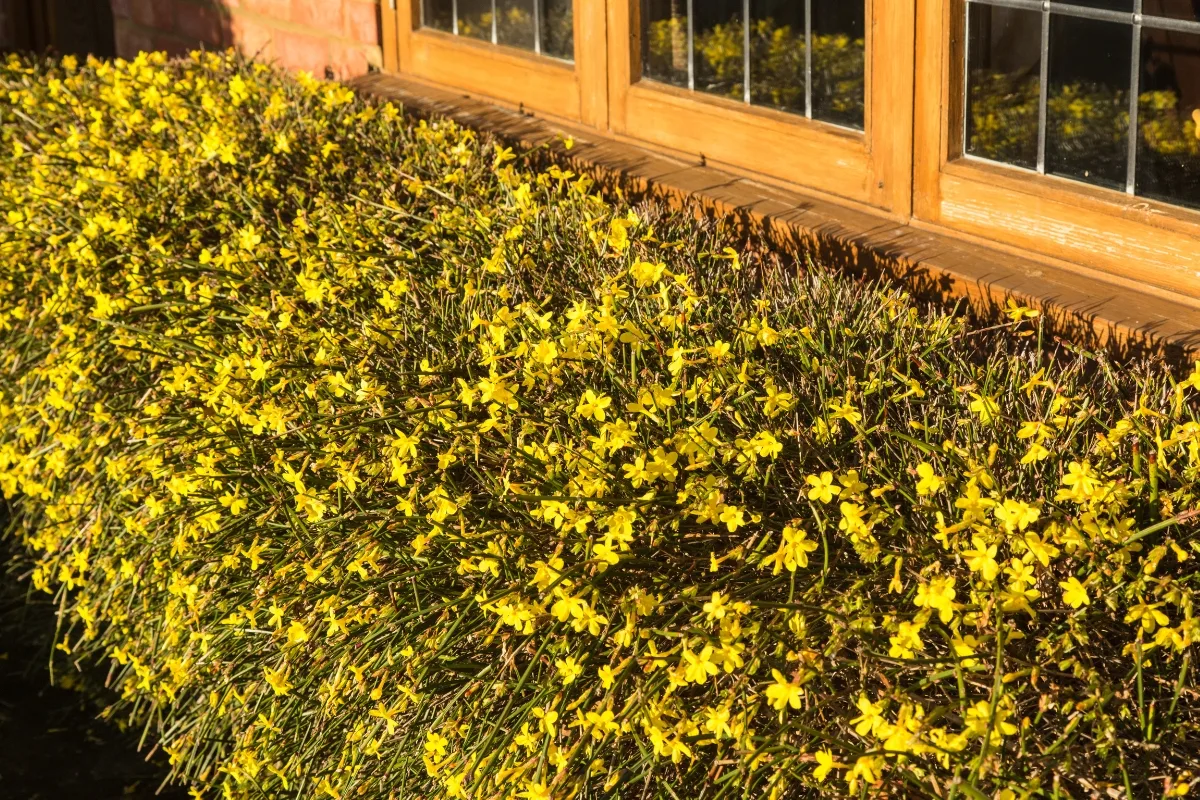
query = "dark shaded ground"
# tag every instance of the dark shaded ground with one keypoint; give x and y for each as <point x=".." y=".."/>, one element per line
<point x="52" y="746"/>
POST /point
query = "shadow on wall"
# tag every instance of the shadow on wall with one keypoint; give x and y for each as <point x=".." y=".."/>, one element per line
<point x="60" y="26"/>
<point x="334" y="38"/>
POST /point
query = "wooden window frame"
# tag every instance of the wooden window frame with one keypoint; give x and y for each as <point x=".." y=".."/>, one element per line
<point x="872" y="167"/>
<point x="1136" y="239"/>
<point x="570" y="91"/>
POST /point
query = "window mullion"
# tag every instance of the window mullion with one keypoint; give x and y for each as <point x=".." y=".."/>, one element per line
<point x="808" y="60"/>
<point x="1044" y="89"/>
<point x="746" y="51"/>
<point x="691" y="55"/>
<point x="1135" y="80"/>
<point x="537" y="26"/>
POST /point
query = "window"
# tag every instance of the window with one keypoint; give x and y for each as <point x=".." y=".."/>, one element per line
<point x="546" y="56"/>
<point x="1121" y="100"/>
<point x="816" y="93"/>
<point x="544" y="26"/>
<point x="1066" y="130"/>
<point x="805" y="58"/>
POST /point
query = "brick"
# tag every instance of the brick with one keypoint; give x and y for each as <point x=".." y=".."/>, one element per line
<point x="251" y="37"/>
<point x="275" y="9"/>
<point x="362" y="21"/>
<point x="348" y="60"/>
<point x="172" y="45"/>
<point x="122" y="9"/>
<point x="201" y="24"/>
<point x="323" y="15"/>
<point x="301" y="51"/>
<point x="157" y="14"/>
<point x="130" y="39"/>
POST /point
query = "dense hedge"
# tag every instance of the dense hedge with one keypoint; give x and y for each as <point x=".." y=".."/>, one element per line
<point x="375" y="464"/>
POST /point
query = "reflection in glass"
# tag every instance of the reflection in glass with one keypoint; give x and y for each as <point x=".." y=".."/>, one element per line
<point x="665" y="41"/>
<point x="558" y="28"/>
<point x="1108" y="5"/>
<point x="777" y="54"/>
<point x="839" y="61"/>
<point x="718" y="39"/>
<point x="1168" y="156"/>
<point x="1087" y="112"/>
<point x="475" y="19"/>
<point x="1004" y="64"/>
<point x="1087" y="116"/>
<point x="1173" y="9"/>
<point x="438" y="14"/>
<point x="778" y="63"/>
<point x="514" y="23"/>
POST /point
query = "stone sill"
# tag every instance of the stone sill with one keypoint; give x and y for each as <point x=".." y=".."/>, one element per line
<point x="1088" y="308"/>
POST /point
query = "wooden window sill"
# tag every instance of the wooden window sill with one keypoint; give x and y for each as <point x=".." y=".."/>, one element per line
<point x="1089" y="307"/>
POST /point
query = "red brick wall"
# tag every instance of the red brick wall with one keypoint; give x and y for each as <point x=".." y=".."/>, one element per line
<point x="342" y="35"/>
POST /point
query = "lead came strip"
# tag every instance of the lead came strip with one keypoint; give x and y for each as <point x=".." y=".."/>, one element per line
<point x="691" y="57"/>
<point x="808" y="89"/>
<point x="1105" y="15"/>
<point x="1135" y="80"/>
<point x="746" y="51"/>
<point x="1044" y="89"/>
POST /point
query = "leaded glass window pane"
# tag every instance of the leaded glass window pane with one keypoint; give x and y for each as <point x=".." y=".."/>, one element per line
<point x="802" y="56"/>
<point x="1105" y="92"/>
<point x="542" y="26"/>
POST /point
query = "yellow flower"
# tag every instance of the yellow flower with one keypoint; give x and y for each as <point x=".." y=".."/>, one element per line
<point x="435" y="744"/>
<point x="718" y="350"/>
<point x="825" y="764"/>
<point x="277" y="679"/>
<point x="296" y="633"/>
<point x="783" y="692"/>
<point x="715" y="609"/>
<point x="822" y="488"/>
<point x="907" y="641"/>
<point x="1074" y="593"/>
<point x="568" y="669"/>
<point x="591" y="405"/>
<point x="930" y="483"/>
<point x="938" y="594"/>
<point x="870" y="718"/>
<point x="982" y="559"/>
<point x="985" y="407"/>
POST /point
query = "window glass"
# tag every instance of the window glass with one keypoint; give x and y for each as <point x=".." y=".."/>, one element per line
<point x="666" y="45"/>
<point x="557" y="24"/>
<point x="1087" y="111"/>
<point x="542" y="26"/>
<point x="1168" y="153"/>
<point x="474" y="18"/>
<point x="1004" y="68"/>
<point x="1120" y="104"/>
<point x="514" y="23"/>
<point x="802" y="56"/>
<point x="718" y="38"/>
<point x="778" y="64"/>
<point x="838" y="39"/>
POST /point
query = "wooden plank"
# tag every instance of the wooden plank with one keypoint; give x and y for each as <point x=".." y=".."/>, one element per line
<point x="591" y="61"/>
<point x="389" y="35"/>
<point x="514" y="76"/>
